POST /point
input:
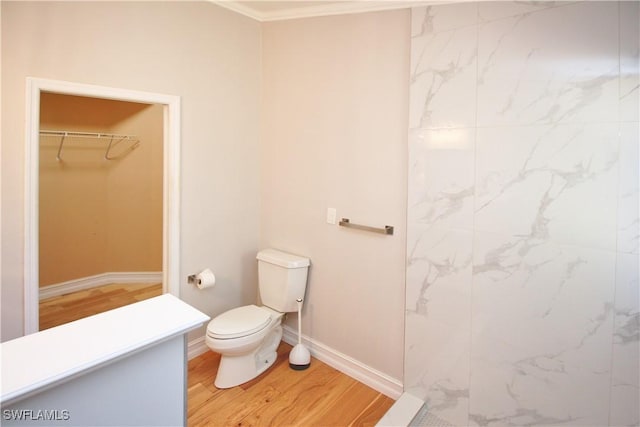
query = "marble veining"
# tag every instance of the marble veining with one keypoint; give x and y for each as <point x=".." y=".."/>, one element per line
<point x="560" y="180"/>
<point x="443" y="79"/>
<point x="629" y="189"/>
<point x="522" y="302"/>
<point x="625" y="375"/>
<point x="530" y="76"/>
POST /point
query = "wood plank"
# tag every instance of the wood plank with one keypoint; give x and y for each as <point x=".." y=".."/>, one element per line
<point x="374" y="412"/>
<point x="296" y="393"/>
<point x="199" y="395"/>
<point x="318" y="396"/>
<point x="62" y="309"/>
<point x="348" y="405"/>
<point x="207" y="414"/>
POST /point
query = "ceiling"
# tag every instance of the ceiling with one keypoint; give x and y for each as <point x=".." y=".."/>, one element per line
<point x="267" y="10"/>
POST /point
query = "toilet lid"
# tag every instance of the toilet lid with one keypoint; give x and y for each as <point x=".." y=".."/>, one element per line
<point x="239" y="322"/>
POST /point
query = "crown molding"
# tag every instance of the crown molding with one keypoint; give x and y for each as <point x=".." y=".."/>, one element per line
<point x="239" y="8"/>
<point x="331" y="8"/>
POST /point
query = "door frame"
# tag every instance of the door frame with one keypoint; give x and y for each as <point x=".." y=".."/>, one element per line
<point x="171" y="182"/>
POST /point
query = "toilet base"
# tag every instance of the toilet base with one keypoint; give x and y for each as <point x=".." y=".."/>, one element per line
<point x="236" y="370"/>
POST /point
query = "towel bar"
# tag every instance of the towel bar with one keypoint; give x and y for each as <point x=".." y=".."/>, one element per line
<point x="388" y="229"/>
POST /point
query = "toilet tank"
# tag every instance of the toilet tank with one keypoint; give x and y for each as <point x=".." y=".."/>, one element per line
<point x="282" y="279"/>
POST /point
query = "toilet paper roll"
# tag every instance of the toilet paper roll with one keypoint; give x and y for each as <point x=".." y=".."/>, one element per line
<point x="205" y="279"/>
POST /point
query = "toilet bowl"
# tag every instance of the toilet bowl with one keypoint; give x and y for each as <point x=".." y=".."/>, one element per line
<point x="247" y="338"/>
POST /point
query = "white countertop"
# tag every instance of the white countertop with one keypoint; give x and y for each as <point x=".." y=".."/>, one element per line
<point x="55" y="355"/>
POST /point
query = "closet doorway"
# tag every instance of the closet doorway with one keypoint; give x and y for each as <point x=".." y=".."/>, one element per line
<point x="102" y="190"/>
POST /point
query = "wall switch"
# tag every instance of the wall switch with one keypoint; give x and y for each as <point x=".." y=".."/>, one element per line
<point x="331" y="215"/>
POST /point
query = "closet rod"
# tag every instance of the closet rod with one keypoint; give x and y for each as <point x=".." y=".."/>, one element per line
<point x="96" y="135"/>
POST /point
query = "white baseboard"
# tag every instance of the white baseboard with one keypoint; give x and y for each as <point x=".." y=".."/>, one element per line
<point x="99" y="280"/>
<point x="196" y="347"/>
<point x="347" y="365"/>
<point x="343" y="363"/>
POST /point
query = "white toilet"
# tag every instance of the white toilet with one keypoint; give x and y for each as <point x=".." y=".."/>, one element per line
<point x="247" y="337"/>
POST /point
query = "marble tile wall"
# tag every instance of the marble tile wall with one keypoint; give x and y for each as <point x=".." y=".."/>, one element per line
<point x="523" y="231"/>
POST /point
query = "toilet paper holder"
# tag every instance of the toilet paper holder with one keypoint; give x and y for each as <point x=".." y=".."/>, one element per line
<point x="204" y="279"/>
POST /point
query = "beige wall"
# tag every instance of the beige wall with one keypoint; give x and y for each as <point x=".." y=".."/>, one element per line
<point x="261" y="160"/>
<point x="208" y="56"/>
<point x="99" y="215"/>
<point x="134" y="195"/>
<point x="334" y="132"/>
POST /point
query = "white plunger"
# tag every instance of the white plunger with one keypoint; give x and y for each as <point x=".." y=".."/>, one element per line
<point x="299" y="358"/>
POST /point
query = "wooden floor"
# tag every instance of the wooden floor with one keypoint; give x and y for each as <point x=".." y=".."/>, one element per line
<point x="55" y="311"/>
<point x="317" y="396"/>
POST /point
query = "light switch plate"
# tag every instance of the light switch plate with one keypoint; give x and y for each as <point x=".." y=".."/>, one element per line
<point x="331" y="215"/>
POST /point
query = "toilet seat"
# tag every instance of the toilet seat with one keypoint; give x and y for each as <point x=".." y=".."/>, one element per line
<point x="239" y="322"/>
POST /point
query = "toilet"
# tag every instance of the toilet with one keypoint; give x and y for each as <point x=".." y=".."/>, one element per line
<point x="247" y="337"/>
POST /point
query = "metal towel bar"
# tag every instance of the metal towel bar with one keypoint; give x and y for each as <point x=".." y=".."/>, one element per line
<point x="388" y="229"/>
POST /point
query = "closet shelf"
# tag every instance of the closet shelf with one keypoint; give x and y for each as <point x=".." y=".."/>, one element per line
<point x="114" y="139"/>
